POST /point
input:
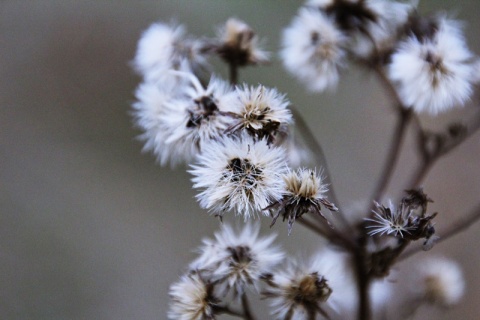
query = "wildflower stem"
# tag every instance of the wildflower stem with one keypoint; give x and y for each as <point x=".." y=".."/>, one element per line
<point x="429" y="158"/>
<point x="404" y="116"/>
<point x="317" y="150"/>
<point x="233" y="72"/>
<point x="363" y="282"/>
<point x="450" y="231"/>
<point x="248" y="315"/>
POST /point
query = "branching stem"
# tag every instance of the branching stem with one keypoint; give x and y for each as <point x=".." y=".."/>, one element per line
<point x="453" y="228"/>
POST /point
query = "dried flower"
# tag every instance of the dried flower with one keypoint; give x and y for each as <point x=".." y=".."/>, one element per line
<point x="193" y="118"/>
<point x="369" y="24"/>
<point x="312" y="50"/>
<point x="432" y="71"/>
<point x="260" y="111"/>
<point x="390" y="221"/>
<point x="441" y="280"/>
<point x="163" y="47"/>
<point x="236" y="261"/>
<point x="239" y="173"/>
<point x="409" y="221"/>
<point x="304" y="192"/>
<point x="192" y="299"/>
<point x="178" y="119"/>
<point x="304" y="288"/>
<point x="238" y="44"/>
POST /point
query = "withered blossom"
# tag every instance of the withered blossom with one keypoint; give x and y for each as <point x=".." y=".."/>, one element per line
<point x="192" y="298"/>
<point x="261" y="112"/>
<point x="238" y="44"/>
<point x="408" y="221"/>
<point x="304" y="193"/>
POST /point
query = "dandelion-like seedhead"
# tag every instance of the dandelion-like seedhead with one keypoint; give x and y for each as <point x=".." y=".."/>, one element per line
<point x="408" y="221"/>
<point x="193" y="118"/>
<point x="260" y="111"/>
<point x="441" y="281"/>
<point x="178" y="117"/>
<point x="312" y="49"/>
<point x="304" y="192"/>
<point x="192" y="299"/>
<point x="236" y="261"/>
<point x="163" y="47"/>
<point x="433" y="68"/>
<point x="238" y="44"/>
<point x="322" y="285"/>
<point x="239" y="174"/>
<point x="390" y="221"/>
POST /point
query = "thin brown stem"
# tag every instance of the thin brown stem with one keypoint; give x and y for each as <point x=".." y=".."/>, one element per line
<point x="233" y="72"/>
<point x="404" y="116"/>
<point x="363" y="283"/>
<point x="429" y="158"/>
<point x="247" y="312"/>
<point x="450" y="231"/>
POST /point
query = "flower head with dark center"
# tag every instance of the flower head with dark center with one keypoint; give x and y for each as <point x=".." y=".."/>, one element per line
<point x="304" y="192"/>
<point x="239" y="174"/>
<point x="192" y="299"/>
<point x="259" y="111"/>
<point x="237" y="260"/>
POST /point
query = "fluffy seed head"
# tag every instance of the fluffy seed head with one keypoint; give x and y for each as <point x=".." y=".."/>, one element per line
<point x="237" y="260"/>
<point x="239" y="174"/>
<point x="192" y="299"/>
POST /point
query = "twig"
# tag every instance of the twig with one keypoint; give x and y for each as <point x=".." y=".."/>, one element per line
<point x="450" y="231"/>
<point x="404" y="116"/>
<point x="363" y="282"/>
<point x="233" y="72"/>
<point x="248" y="315"/>
<point x="430" y="158"/>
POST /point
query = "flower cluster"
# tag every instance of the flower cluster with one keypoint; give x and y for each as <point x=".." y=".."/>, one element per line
<point x="237" y="140"/>
<point x="326" y="33"/>
<point x="234" y="263"/>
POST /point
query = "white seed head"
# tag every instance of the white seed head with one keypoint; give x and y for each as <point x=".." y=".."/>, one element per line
<point x="442" y="281"/>
<point x="312" y="50"/>
<point x="237" y="260"/>
<point x="239" y="174"/>
<point x="239" y="42"/>
<point x="321" y="284"/>
<point x="259" y="111"/>
<point x="191" y="299"/>
<point x="163" y="47"/>
<point x="434" y="75"/>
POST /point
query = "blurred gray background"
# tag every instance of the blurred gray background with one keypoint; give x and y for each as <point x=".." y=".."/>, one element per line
<point x="91" y="228"/>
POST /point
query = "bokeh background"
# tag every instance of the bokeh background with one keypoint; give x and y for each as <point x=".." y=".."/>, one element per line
<point x="91" y="228"/>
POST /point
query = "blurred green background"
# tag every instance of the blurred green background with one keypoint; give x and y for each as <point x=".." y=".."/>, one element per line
<point x="91" y="228"/>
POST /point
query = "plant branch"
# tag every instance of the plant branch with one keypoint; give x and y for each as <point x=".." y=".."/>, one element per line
<point x="248" y="315"/>
<point x="430" y="157"/>
<point x="450" y="231"/>
<point x="363" y="282"/>
<point x="404" y="116"/>
<point x="233" y="72"/>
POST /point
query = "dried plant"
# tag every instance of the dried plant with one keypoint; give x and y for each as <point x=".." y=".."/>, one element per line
<point x="238" y="141"/>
